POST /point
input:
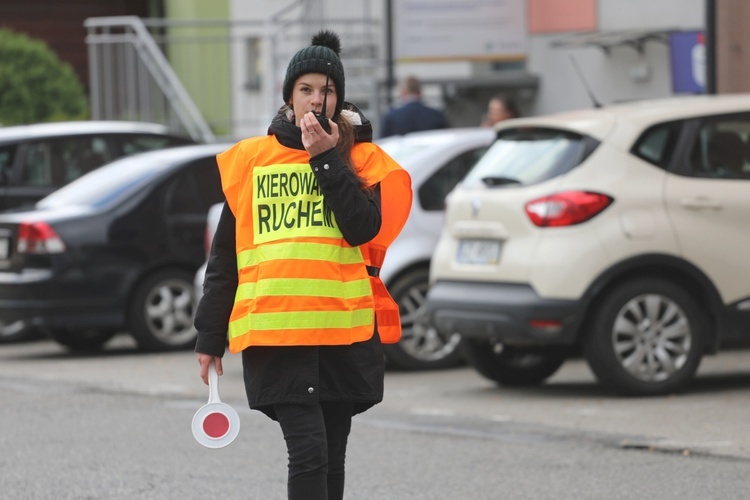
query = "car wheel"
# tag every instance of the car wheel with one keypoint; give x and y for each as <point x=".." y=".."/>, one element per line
<point x="421" y="346"/>
<point x="161" y="311"/>
<point x="647" y="337"/>
<point x="83" y="340"/>
<point x="514" y="366"/>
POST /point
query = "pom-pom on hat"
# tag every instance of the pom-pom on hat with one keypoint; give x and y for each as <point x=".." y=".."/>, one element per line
<point x="324" y="48"/>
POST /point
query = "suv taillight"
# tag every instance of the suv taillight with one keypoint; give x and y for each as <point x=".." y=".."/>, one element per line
<point x="38" y="238"/>
<point x="566" y="208"/>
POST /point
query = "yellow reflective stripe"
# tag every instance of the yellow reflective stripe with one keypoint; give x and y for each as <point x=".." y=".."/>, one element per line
<point x="303" y="320"/>
<point x="304" y="287"/>
<point x="298" y="250"/>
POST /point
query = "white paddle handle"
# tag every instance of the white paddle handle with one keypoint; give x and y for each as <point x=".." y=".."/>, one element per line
<point x="213" y="384"/>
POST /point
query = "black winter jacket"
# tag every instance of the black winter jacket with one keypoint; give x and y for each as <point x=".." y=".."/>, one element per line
<point x="299" y="374"/>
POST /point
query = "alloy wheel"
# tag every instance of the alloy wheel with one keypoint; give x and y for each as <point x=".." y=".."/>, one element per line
<point x="168" y="311"/>
<point x="418" y="338"/>
<point x="651" y="337"/>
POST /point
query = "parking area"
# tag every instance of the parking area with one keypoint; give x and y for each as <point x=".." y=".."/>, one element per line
<point x="708" y="418"/>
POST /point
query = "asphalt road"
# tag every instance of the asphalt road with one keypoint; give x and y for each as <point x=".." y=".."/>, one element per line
<point x="117" y="426"/>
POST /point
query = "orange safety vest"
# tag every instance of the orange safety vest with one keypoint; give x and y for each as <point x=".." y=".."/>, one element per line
<point x="299" y="281"/>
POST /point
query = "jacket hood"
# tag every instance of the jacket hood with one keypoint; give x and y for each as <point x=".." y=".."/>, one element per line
<point x="290" y="135"/>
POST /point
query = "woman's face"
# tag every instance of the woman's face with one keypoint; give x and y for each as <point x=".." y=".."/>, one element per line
<point x="496" y="111"/>
<point x="308" y="93"/>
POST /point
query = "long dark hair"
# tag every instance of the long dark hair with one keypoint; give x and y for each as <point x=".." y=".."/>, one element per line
<point x="345" y="145"/>
<point x="346" y="139"/>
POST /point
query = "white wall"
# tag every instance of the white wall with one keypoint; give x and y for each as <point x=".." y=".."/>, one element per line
<point x="623" y="73"/>
<point x="637" y="14"/>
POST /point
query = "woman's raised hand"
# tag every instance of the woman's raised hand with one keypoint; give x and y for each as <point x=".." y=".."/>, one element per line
<point x="314" y="138"/>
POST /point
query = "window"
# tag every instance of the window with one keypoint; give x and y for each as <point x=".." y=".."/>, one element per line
<point x="721" y="148"/>
<point x="81" y="155"/>
<point x="57" y="162"/>
<point x="37" y="165"/>
<point x="119" y="179"/>
<point x="132" y="144"/>
<point x="254" y="51"/>
<point x="657" y="143"/>
<point x="530" y="155"/>
<point x="7" y="155"/>
<point x="433" y="191"/>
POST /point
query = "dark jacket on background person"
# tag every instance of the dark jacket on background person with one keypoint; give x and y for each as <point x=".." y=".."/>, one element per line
<point x="413" y="116"/>
<point x="296" y="374"/>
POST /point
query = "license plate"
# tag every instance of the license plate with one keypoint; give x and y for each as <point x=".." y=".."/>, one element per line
<point x="485" y="252"/>
<point x="4" y="247"/>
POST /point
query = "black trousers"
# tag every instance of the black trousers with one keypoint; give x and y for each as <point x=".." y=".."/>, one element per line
<point x="316" y="437"/>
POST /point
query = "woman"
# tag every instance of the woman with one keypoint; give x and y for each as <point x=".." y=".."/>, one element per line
<point x="292" y="278"/>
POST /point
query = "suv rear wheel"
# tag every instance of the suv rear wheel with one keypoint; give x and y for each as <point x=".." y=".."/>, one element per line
<point x="514" y="366"/>
<point x="421" y="346"/>
<point x="647" y="337"/>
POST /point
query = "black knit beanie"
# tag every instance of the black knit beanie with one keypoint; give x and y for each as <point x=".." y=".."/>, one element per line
<point x="324" y="48"/>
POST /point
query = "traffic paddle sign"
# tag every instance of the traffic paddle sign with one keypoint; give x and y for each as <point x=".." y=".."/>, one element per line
<point x="215" y="424"/>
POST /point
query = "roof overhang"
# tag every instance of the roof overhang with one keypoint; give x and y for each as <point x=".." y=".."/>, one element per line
<point x="606" y="40"/>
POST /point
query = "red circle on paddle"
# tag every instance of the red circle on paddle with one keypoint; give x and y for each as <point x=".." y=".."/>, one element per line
<point x="216" y="425"/>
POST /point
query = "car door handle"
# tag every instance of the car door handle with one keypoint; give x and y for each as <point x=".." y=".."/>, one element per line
<point x="701" y="203"/>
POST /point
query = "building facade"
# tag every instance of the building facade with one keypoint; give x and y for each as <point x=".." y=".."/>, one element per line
<point x="549" y="55"/>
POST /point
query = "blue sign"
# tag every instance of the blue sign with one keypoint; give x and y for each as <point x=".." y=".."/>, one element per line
<point x="688" y="60"/>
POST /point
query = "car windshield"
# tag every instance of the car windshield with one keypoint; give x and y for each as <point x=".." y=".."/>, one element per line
<point x="527" y="156"/>
<point x="407" y="150"/>
<point x="107" y="184"/>
<point x="401" y="150"/>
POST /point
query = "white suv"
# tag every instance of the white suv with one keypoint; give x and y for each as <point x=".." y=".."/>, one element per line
<point x="621" y="231"/>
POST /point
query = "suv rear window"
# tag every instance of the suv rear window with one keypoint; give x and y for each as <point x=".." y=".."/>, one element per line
<point x="530" y="155"/>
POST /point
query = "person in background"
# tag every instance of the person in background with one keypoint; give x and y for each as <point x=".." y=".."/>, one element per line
<point x="500" y="108"/>
<point x="412" y="114"/>
<point x="292" y="277"/>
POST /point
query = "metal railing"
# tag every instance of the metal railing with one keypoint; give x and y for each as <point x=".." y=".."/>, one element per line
<point x="130" y="78"/>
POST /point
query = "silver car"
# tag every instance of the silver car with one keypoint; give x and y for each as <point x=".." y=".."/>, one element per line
<point x="437" y="161"/>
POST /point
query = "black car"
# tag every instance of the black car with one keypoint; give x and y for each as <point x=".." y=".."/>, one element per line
<point x="115" y="250"/>
<point x="37" y="159"/>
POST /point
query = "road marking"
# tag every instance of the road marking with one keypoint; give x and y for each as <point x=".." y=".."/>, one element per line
<point x="433" y="412"/>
